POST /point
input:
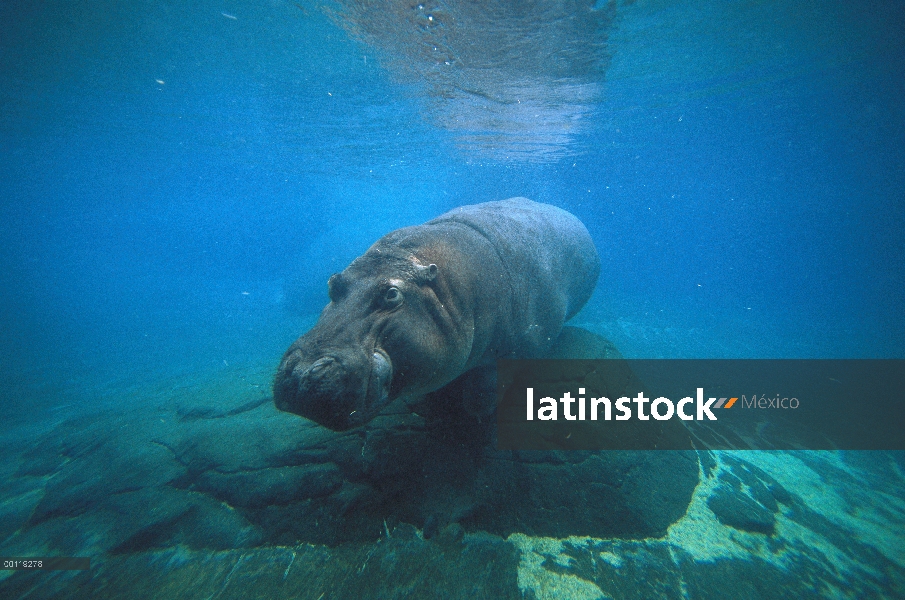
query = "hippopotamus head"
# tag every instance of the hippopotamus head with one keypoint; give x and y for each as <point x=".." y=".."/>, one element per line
<point x="384" y="334"/>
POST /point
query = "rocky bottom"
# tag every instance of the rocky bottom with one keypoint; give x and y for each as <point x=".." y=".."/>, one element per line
<point x="820" y="545"/>
<point x="208" y="493"/>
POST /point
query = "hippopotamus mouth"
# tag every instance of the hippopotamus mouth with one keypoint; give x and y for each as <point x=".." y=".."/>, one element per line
<point x="334" y="390"/>
<point x="378" y="393"/>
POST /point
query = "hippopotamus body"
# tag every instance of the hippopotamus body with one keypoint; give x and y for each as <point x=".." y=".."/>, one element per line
<point x="426" y="304"/>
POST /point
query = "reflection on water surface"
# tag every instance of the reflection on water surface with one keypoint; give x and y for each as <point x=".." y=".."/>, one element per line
<point x="512" y="80"/>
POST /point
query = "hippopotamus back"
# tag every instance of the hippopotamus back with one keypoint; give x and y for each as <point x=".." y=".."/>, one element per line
<point x="426" y="304"/>
<point x="549" y="258"/>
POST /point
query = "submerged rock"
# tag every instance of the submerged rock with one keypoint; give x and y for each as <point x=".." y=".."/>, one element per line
<point x="157" y="477"/>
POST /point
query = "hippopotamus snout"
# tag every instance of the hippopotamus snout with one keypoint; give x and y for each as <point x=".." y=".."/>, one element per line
<point x="340" y="390"/>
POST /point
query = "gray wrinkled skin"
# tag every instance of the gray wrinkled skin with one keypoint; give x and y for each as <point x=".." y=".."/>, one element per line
<point x="426" y="304"/>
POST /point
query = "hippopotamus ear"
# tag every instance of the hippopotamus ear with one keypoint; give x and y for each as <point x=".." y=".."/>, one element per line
<point x="336" y="286"/>
<point x="425" y="274"/>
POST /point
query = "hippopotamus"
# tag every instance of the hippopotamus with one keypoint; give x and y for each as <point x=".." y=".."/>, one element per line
<point x="429" y="303"/>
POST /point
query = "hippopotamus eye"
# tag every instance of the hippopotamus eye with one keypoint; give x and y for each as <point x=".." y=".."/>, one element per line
<point x="392" y="296"/>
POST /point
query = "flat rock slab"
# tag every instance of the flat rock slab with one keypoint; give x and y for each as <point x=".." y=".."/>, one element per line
<point x="403" y="565"/>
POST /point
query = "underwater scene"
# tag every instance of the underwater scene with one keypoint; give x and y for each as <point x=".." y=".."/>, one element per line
<point x="185" y="186"/>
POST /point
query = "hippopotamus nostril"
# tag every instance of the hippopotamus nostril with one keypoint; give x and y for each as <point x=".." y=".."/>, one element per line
<point x="321" y="365"/>
<point x="291" y="361"/>
<point x="322" y="373"/>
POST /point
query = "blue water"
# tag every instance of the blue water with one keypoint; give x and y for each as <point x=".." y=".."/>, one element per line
<point x="740" y="170"/>
<point x="179" y="179"/>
